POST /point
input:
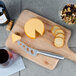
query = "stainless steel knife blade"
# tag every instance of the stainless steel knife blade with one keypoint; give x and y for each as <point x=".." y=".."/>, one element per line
<point x="35" y="52"/>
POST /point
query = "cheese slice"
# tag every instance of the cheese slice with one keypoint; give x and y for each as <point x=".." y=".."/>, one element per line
<point x="32" y="26"/>
<point x="15" y="37"/>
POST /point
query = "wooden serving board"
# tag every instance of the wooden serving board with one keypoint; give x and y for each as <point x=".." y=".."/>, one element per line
<point x="47" y="62"/>
<point x="44" y="42"/>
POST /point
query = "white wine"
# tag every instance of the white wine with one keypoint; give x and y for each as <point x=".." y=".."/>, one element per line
<point x="4" y="16"/>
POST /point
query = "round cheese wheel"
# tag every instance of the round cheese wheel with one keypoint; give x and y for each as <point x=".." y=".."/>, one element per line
<point x="32" y="26"/>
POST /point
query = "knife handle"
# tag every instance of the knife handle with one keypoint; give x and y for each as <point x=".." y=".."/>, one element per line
<point x="50" y="55"/>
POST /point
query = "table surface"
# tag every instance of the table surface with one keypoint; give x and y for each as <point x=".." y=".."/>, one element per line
<point x="48" y="9"/>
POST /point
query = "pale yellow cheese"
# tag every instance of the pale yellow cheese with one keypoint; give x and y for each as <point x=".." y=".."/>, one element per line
<point x="32" y="26"/>
<point x="15" y="37"/>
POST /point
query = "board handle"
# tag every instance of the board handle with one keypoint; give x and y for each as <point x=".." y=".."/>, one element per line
<point x="70" y="54"/>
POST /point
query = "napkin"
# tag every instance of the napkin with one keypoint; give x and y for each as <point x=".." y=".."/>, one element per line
<point x="18" y="65"/>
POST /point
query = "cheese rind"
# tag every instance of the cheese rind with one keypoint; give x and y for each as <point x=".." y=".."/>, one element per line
<point x="15" y="37"/>
<point x="32" y="26"/>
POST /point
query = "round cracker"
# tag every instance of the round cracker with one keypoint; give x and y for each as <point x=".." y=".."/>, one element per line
<point x="60" y="35"/>
<point x="54" y="28"/>
<point x="59" y="42"/>
<point x="58" y="31"/>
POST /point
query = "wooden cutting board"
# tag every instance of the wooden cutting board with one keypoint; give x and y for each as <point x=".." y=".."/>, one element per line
<point x="47" y="62"/>
<point x="41" y="41"/>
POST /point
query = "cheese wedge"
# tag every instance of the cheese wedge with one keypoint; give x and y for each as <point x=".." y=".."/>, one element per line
<point x="15" y="37"/>
<point x="59" y="42"/>
<point x="32" y="26"/>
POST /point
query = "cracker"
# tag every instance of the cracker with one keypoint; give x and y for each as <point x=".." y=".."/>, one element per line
<point x="58" y="31"/>
<point x="58" y="42"/>
<point x="54" y="28"/>
<point x="60" y="35"/>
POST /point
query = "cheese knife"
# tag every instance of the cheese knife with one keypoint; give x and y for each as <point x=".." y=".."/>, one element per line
<point x="35" y="52"/>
